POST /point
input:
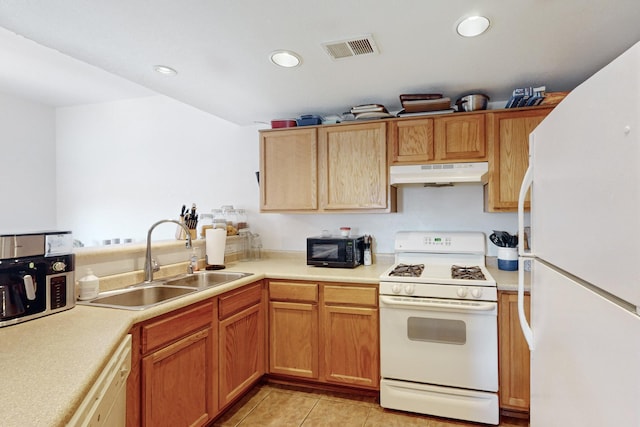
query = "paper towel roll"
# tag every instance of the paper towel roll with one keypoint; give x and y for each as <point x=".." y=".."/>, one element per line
<point x="216" y="239"/>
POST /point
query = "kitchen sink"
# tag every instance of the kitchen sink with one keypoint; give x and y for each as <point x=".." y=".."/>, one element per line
<point x="145" y="295"/>
<point x="139" y="297"/>
<point x="205" y="279"/>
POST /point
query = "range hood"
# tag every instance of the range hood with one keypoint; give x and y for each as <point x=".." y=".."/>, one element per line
<point x="438" y="174"/>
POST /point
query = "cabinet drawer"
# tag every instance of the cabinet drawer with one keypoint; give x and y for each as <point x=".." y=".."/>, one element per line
<point x="174" y="326"/>
<point x="239" y="299"/>
<point x="288" y="291"/>
<point x="351" y="295"/>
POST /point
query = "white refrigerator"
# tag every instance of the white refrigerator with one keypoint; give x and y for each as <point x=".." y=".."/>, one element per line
<point x="584" y="176"/>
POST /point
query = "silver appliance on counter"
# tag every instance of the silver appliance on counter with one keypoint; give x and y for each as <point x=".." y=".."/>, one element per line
<point x="36" y="275"/>
<point x="438" y="327"/>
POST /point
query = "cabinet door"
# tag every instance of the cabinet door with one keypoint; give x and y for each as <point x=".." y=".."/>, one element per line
<point x="293" y="339"/>
<point x="460" y="138"/>
<point x="241" y="352"/>
<point x="351" y="347"/>
<point x="514" y="354"/>
<point x="177" y="382"/>
<point x="411" y="141"/>
<point x="509" y="156"/>
<point x="353" y="167"/>
<point x="288" y="170"/>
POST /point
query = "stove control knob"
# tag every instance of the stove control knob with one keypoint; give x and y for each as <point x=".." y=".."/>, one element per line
<point x="476" y="293"/>
<point x="462" y="292"/>
<point x="410" y="289"/>
<point x="396" y="289"/>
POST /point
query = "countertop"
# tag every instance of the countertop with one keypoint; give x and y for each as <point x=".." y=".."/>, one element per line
<point x="50" y="363"/>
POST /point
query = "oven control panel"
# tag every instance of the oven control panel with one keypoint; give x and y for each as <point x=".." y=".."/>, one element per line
<point x="480" y="293"/>
<point x="446" y="241"/>
<point x="437" y="241"/>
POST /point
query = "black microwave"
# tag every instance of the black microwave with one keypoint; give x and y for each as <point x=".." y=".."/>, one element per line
<point x="335" y="251"/>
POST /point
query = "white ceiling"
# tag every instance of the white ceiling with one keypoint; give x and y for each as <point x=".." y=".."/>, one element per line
<point x="105" y="50"/>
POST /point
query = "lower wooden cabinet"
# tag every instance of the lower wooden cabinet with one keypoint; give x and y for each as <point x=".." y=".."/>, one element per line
<point x="343" y="318"/>
<point x="293" y="329"/>
<point x="350" y="336"/>
<point x="177" y="369"/>
<point x="241" y="355"/>
<point x="514" y="355"/>
<point x="177" y="383"/>
<point x="191" y="364"/>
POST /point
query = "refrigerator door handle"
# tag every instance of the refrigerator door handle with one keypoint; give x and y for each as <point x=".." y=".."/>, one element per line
<point x="527" y="181"/>
<point x="524" y="325"/>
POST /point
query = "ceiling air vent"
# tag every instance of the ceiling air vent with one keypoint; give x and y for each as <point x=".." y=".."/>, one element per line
<point x="364" y="45"/>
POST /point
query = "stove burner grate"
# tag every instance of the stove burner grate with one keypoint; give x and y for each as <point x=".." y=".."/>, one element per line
<point x="407" y="270"/>
<point x="467" y="273"/>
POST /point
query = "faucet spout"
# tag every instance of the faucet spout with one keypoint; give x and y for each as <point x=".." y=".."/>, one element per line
<point x="148" y="267"/>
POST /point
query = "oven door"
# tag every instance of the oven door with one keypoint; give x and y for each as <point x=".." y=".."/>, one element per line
<point x="442" y="342"/>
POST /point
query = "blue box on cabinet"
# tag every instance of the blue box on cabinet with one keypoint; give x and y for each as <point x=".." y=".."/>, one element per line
<point x="308" y="120"/>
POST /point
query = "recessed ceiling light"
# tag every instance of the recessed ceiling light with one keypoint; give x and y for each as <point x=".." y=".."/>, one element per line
<point x="285" y="58"/>
<point x="163" y="69"/>
<point x="473" y="26"/>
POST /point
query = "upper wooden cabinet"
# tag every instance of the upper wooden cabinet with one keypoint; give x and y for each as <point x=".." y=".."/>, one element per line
<point x="289" y="170"/>
<point x="460" y="138"/>
<point x="508" y="140"/>
<point x="411" y="141"/>
<point x="341" y="168"/>
<point x="438" y="139"/>
<point x="353" y="167"/>
<point x="345" y="167"/>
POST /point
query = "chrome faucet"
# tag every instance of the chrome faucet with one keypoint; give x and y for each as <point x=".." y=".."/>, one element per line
<point x="148" y="264"/>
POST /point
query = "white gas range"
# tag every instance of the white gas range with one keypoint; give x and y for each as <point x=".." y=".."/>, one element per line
<point x="438" y="327"/>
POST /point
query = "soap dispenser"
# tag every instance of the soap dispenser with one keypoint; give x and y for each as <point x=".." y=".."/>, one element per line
<point x="89" y="286"/>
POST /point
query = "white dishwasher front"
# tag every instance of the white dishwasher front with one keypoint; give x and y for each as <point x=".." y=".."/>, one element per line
<point x="106" y="402"/>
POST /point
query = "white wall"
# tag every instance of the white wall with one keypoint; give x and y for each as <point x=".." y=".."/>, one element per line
<point x="27" y="166"/>
<point x="124" y="165"/>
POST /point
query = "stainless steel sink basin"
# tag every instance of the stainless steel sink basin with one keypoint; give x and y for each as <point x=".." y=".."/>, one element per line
<point x="139" y="297"/>
<point x="205" y="279"/>
<point x="145" y="295"/>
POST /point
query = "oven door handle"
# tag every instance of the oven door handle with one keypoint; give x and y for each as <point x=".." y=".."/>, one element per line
<point x="427" y="304"/>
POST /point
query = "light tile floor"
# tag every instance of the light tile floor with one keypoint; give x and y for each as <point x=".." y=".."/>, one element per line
<point x="284" y="406"/>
